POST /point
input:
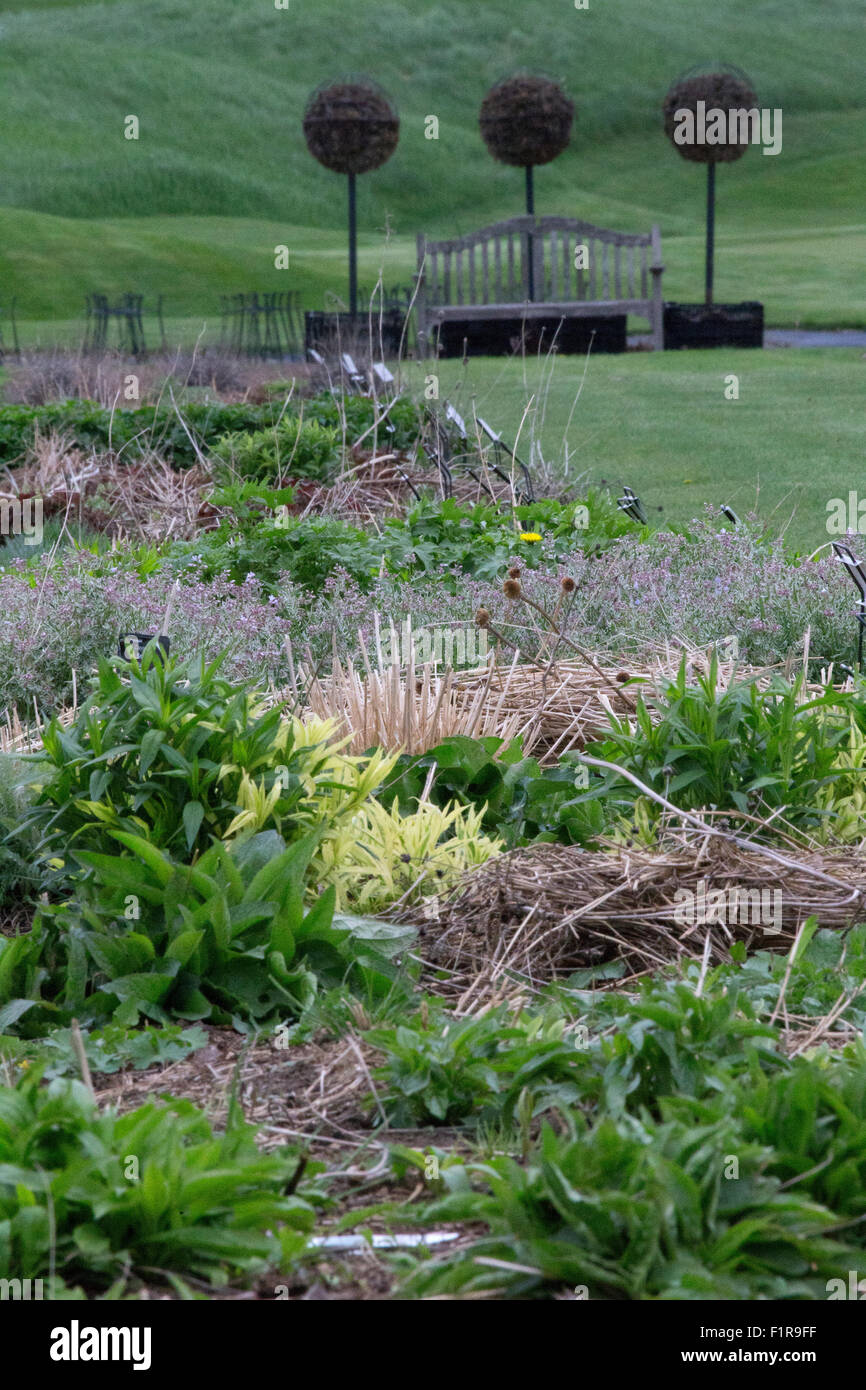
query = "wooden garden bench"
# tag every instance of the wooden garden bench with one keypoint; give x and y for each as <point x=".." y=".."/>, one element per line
<point x="487" y="274"/>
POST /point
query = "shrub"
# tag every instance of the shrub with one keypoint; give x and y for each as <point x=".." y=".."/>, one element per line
<point x="294" y="448"/>
<point x="61" y="616"/>
<point x="279" y="552"/>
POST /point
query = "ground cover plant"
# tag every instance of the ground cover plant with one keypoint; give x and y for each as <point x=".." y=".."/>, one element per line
<point x="208" y="1207"/>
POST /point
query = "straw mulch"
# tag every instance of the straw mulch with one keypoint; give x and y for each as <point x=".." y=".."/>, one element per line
<point x="144" y="497"/>
<point x="545" y="911"/>
<point x="561" y="708"/>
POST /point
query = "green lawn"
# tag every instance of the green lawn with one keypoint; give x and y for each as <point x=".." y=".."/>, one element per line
<point x="803" y="278"/>
<point x="660" y="422"/>
<point x="220" y="174"/>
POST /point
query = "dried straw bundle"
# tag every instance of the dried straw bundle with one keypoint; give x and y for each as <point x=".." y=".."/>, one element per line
<point x="412" y="711"/>
<point x="16" y="737"/>
<point x="548" y="910"/>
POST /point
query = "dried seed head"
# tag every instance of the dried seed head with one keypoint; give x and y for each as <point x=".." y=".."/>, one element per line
<point x="482" y="618"/>
<point x="567" y="584"/>
<point x="514" y="572"/>
<point x="511" y="588"/>
<point x="622" y="677"/>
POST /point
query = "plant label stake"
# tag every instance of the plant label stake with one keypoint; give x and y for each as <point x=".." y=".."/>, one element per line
<point x="631" y="504"/>
<point x="132" y="644"/>
<point x="499" y="444"/>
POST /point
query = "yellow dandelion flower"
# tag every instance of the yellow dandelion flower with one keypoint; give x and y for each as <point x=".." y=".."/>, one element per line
<point x="530" y="536"/>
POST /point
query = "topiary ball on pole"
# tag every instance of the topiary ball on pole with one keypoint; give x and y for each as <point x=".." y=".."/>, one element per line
<point x="693" y="109"/>
<point x="525" y="120"/>
<point x="352" y="127"/>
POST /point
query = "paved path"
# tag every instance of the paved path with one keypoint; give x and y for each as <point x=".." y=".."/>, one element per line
<point x="789" y="337"/>
<point x="796" y="337"/>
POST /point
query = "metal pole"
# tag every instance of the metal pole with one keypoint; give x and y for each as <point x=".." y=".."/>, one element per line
<point x="711" y="226"/>
<point x="530" y="250"/>
<point x="353" y="248"/>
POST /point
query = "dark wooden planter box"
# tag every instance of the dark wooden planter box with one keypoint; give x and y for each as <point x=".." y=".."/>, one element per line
<point x="715" y="325"/>
<point x="497" y="337"/>
<point x="332" y="334"/>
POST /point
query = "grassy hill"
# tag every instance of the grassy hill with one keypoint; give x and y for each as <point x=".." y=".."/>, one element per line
<point x="221" y="174"/>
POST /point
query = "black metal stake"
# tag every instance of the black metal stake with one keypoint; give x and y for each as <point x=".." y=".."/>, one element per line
<point x="353" y="248"/>
<point x="845" y="554"/>
<point x="530" y="249"/>
<point x="711" y="227"/>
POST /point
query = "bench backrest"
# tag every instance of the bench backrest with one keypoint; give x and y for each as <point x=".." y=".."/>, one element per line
<point x="491" y="266"/>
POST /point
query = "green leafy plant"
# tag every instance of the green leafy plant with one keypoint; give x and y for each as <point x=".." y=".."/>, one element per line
<point x="443" y="1070"/>
<point x="519" y="800"/>
<point x="293" y="448"/>
<point x="97" y="1201"/>
<point x="164" y="751"/>
<point x="229" y="939"/>
<point x="644" y="1209"/>
<point x="108" y="1049"/>
<point x="277" y="548"/>
<point x="698" y="1159"/>
<point x="379" y="858"/>
<point x="747" y="748"/>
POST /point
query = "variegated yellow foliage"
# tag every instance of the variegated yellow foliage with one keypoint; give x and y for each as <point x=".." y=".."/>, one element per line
<point x="845" y="798"/>
<point x="381" y="857"/>
<point x="375" y="857"/>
